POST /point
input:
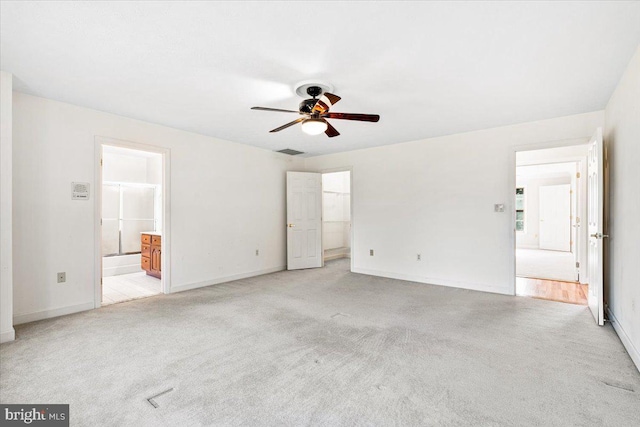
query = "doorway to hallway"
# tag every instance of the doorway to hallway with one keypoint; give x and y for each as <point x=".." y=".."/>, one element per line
<point x="550" y="202"/>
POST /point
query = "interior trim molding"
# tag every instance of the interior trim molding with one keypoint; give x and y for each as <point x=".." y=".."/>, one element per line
<point x="626" y="341"/>
<point x="504" y="290"/>
<point x="48" y="314"/>
<point x="204" y="284"/>
<point x="8" y="336"/>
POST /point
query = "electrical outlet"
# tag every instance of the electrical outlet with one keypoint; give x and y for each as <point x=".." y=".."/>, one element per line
<point x="370" y="252"/>
<point x="257" y="252"/>
<point x="62" y="277"/>
<point x="419" y="257"/>
<point x="499" y="207"/>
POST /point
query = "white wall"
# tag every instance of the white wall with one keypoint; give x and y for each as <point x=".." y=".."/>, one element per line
<point x="129" y="168"/>
<point x="227" y="200"/>
<point x="622" y="142"/>
<point x="435" y="197"/>
<point x="124" y="168"/>
<point x="6" y="188"/>
<point x="336" y="182"/>
<point x="530" y="238"/>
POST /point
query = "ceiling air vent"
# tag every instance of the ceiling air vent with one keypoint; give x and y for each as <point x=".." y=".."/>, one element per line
<point x="290" y="152"/>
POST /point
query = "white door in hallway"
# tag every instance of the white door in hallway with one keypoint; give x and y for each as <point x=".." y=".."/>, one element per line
<point x="304" y="220"/>
<point x="595" y="213"/>
<point x="555" y="217"/>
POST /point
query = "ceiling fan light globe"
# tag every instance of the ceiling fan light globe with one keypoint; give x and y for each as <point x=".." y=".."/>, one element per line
<point x="314" y="126"/>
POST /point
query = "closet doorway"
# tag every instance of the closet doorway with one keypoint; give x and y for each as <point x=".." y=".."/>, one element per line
<point x="131" y="206"/>
<point x="336" y="215"/>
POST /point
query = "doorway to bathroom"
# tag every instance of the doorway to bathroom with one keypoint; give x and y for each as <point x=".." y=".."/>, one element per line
<point x="131" y="224"/>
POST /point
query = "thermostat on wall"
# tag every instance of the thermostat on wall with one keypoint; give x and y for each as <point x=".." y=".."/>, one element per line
<point x="80" y="190"/>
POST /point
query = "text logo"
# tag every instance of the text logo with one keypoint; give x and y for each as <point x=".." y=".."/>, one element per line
<point x="35" y="415"/>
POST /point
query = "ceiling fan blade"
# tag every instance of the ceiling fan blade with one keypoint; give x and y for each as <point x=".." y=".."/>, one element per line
<point x="288" y="125"/>
<point x="331" y="131"/>
<point x="348" y="116"/>
<point x="326" y="101"/>
<point x="274" y="109"/>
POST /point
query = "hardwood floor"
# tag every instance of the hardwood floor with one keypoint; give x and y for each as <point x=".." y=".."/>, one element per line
<point x="569" y="292"/>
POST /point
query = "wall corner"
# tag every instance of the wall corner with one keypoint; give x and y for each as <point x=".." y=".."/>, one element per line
<point x="7" y="333"/>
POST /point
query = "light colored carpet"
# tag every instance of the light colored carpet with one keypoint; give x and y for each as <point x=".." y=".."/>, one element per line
<point x="326" y="347"/>
<point x="540" y="264"/>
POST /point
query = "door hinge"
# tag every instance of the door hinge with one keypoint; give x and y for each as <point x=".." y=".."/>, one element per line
<point x="577" y="264"/>
<point x="577" y="174"/>
<point x="101" y="161"/>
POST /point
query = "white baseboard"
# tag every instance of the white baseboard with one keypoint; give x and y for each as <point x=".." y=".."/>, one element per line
<point x="434" y="281"/>
<point x="121" y="269"/>
<point x="626" y="341"/>
<point x="196" y="285"/>
<point x="7" y="336"/>
<point x="47" y="314"/>
<point x="336" y="256"/>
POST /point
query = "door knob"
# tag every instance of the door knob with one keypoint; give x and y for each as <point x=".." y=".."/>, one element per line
<point x="291" y="225"/>
<point x="599" y="235"/>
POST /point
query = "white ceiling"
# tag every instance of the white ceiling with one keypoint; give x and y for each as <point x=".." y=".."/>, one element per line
<point x="427" y="68"/>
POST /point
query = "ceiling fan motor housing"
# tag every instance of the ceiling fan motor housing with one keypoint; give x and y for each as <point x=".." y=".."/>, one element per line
<point x="307" y="105"/>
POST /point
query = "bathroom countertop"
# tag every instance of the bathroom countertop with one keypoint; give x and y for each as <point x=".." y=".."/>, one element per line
<point x="152" y="233"/>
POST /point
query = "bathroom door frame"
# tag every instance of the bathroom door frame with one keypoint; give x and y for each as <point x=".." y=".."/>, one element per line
<point x="99" y="141"/>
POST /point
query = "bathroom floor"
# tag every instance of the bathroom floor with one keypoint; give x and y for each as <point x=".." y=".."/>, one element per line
<point x="127" y="287"/>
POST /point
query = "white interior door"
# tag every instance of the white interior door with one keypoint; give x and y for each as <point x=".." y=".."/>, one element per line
<point x="555" y="217"/>
<point x="304" y="220"/>
<point x="595" y="212"/>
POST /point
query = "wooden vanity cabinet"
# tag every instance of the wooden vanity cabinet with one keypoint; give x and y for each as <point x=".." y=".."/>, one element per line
<point x="151" y="251"/>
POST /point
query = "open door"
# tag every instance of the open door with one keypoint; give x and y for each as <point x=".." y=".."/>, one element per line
<point x="555" y="217"/>
<point x="304" y="220"/>
<point x="595" y="189"/>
